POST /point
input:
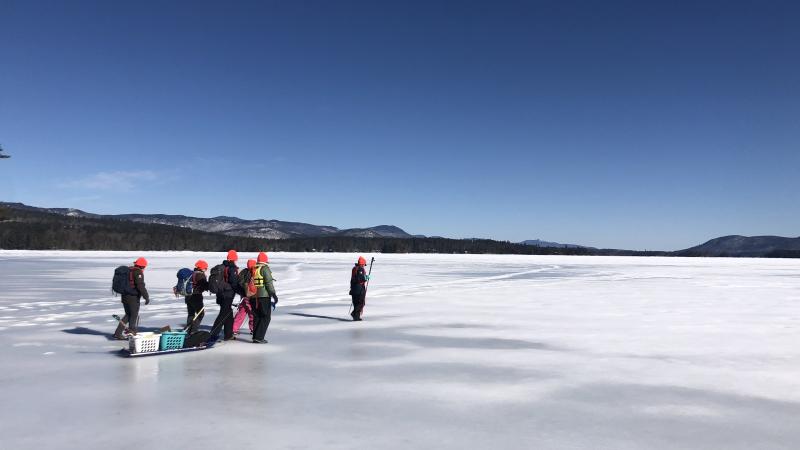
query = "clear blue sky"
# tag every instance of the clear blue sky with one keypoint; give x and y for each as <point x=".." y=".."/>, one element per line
<point x="642" y="125"/>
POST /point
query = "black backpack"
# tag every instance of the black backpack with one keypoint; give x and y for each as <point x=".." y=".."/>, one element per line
<point x="197" y="339"/>
<point x="122" y="283"/>
<point x="216" y="280"/>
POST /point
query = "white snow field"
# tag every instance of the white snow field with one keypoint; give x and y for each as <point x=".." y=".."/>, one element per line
<point x="455" y="351"/>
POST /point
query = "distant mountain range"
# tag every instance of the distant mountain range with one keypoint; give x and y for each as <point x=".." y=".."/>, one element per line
<point x="743" y="246"/>
<point x="75" y="229"/>
<point x="28" y="228"/>
<point x="732" y="246"/>
<point x="231" y="226"/>
<point x="541" y="243"/>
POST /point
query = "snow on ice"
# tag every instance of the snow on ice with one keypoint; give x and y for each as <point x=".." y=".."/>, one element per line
<point x="456" y="351"/>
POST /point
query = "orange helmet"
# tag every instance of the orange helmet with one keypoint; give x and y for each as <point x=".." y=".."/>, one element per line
<point x="263" y="258"/>
<point x="362" y="261"/>
<point x="251" y="263"/>
<point x="200" y="264"/>
<point x="141" y="262"/>
<point x="232" y="255"/>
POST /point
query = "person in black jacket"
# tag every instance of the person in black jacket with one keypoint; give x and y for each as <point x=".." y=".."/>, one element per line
<point x="358" y="288"/>
<point x="225" y="298"/>
<point x="131" y="302"/>
<point x="194" y="302"/>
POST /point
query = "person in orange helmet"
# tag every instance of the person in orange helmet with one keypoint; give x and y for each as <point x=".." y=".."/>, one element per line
<point x="131" y="298"/>
<point x="194" y="302"/>
<point x="225" y="297"/>
<point x="358" y="288"/>
<point x="246" y="304"/>
<point x="265" y="290"/>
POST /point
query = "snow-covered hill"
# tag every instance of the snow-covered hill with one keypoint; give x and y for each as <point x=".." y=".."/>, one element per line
<point x="744" y="246"/>
<point x="233" y="226"/>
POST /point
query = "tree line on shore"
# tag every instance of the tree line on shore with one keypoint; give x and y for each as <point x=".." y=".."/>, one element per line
<point x="35" y="230"/>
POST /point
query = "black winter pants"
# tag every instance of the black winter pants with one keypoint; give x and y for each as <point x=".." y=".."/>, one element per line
<point x="194" y="303"/>
<point x="359" y="300"/>
<point x="262" y="310"/>
<point x="225" y="317"/>
<point x="131" y="305"/>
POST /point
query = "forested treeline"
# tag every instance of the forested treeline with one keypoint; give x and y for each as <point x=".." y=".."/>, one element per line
<point x="415" y="245"/>
<point x="34" y="230"/>
<point x="31" y="230"/>
<point x="37" y="230"/>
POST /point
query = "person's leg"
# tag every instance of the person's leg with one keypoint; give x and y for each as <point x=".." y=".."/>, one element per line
<point x="261" y="322"/>
<point x="198" y="306"/>
<point x="249" y="309"/>
<point x="238" y="319"/>
<point x="227" y="318"/>
<point x="195" y="305"/>
<point x="268" y="315"/>
<point x="133" y="314"/>
<point x="121" y="327"/>
<point x="217" y="327"/>
<point x="358" y="310"/>
<point x="190" y="312"/>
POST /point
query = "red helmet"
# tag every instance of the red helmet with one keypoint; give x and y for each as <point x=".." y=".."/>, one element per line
<point x="362" y="261"/>
<point x="263" y="258"/>
<point x="232" y="255"/>
<point x="141" y="262"/>
<point x="251" y="263"/>
<point x="200" y="264"/>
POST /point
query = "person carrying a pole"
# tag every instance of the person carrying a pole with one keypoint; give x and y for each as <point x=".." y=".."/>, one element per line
<point x="358" y="288"/>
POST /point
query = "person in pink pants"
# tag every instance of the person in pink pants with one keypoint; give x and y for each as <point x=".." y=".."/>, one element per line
<point x="245" y="307"/>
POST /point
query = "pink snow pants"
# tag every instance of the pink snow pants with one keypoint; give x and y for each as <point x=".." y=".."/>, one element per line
<point x="244" y="310"/>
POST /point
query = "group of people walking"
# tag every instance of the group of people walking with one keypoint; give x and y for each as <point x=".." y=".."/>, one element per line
<point x="254" y="284"/>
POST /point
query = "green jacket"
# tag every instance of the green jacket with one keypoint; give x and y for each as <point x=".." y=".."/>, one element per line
<point x="268" y="289"/>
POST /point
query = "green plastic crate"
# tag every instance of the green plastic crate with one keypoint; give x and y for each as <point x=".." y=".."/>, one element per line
<point x="171" y="340"/>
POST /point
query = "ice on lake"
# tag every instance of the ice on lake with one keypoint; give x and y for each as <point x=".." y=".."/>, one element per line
<point x="456" y="351"/>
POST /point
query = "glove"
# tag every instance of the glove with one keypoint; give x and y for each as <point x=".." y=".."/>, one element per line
<point x="273" y="305"/>
<point x="147" y="301"/>
<point x="275" y="298"/>
<point x="367" y="277"/>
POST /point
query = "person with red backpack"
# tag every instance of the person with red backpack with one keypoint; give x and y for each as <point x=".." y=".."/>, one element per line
<point x="194" y="302"/>
<point x="132" y="292"/>
<point x="246" y="304"/>
<point x="226" y="291"/>
<point x="358" y="288"/>
<point x="262" y="307"/>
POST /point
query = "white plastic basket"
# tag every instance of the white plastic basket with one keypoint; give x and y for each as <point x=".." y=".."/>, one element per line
<point x="144" y="342"/>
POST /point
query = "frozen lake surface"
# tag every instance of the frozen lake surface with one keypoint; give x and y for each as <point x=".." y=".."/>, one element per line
<point x="455" y="351"/>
